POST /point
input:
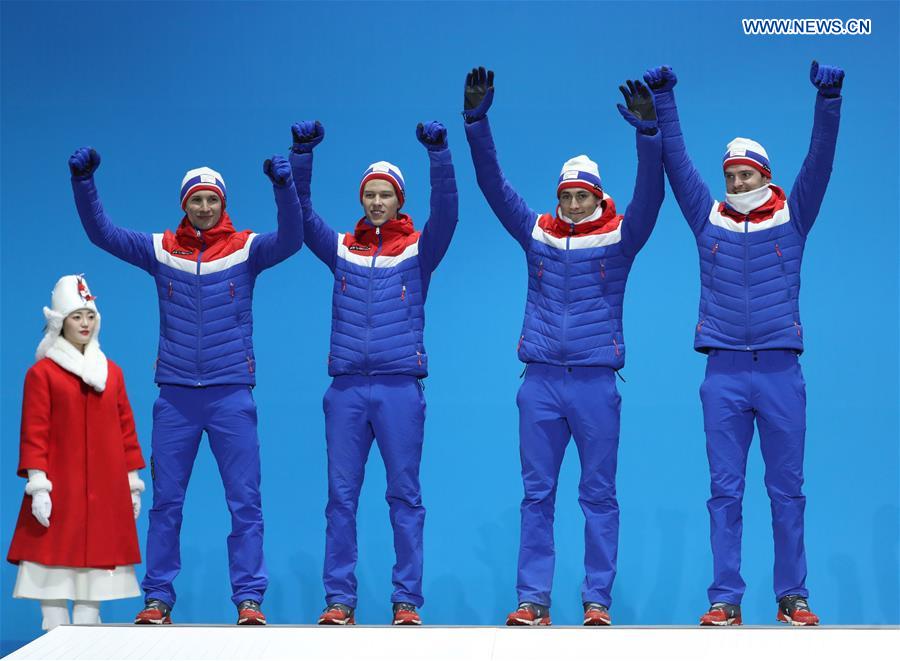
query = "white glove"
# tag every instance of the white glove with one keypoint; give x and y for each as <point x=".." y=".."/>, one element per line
<point x="39" y="488"/>
<point x="137" y="487"/>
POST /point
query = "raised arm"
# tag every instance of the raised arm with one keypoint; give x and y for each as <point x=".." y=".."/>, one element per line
<point x="806" y="196"/>
<point x="649" y="190"/>
<point x="133" y="247"/>
<point x="320" y="238"/>
<point x="272" y="247"/>
<point x="691" y="192"/>
<point x="438" y="231"/>
<point x="507" y="205"/>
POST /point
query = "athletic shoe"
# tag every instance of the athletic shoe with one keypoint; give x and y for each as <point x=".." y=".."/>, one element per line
<point x="337" y="614"/>
<point x="721" y="614"/>
<point x="249" y="612"/>
<point x="596" y="615"/>
<point x="794" y="609"/>
<point x="405" y="613"/>
<point x="529" y="615"/>
<point x="155" y="612"/>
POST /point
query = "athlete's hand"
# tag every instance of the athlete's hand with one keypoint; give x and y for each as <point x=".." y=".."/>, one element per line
<point x="306" y="134"/>
<point x="828" y="80"/>
<point x="84" y="162"/>
<point x="433" y="135"/>
<point x="278" y="170"/>
<point x="660" y="79"/>
<point x="479" y="94"/>
<point x="640" y="113"/>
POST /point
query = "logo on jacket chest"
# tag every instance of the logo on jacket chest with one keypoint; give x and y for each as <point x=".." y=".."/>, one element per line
<point x="178" y="251"/>
<point x="357" y="247"/>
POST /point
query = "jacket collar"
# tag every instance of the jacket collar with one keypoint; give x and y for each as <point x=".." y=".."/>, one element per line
<point x="91" y="366"/>
<point x="365" y="232"/>
<point x="189" y="236"/>
<point x="607" y="222"/>
<point x="760" y="213"/>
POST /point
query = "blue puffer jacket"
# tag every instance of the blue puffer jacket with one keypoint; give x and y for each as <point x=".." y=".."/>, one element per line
<point x="750" y="264"/>
<point x="381" y="277"/>
<point x="576" y="272"/>
<point x="204" y="281"/>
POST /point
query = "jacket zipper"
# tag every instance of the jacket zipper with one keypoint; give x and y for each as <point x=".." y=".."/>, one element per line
<point x="199" y="299"/>
<point x="747" y="281"/>
<point x="565" y="319"/>
<point x="369" y="301"/>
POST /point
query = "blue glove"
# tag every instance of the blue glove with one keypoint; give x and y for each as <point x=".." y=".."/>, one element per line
<point x="278" y="170"/>
<point x="828" y="80"/>
<point x="479" y="94"/>
<point x="84" y="162"/>
<point x="306" y="136"/>
<point x="660" y="79"/>
<point x="433" y="135"/>
<point x="640" y="113"/>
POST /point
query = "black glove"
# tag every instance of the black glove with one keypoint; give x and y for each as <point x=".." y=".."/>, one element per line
<point x="278" y="170"/>
<point x="479" y="94"/>
<point x="84" y="162"/>
<point x="641" y="113"/>
<point x="306" y="136"/>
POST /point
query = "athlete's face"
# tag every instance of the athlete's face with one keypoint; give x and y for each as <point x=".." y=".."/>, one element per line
<point x="380" y="201"/>
<point x="577" y="203"/>
<point x="204" y="208"/>
<point x="743" y="179"/>
<point x="78" y="327"/>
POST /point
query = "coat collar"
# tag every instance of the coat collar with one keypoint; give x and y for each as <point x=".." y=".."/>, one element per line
<point x="760" y="213"/>
<point x="189" y="236"/>
<point x="91" y="366"/>
<point x="401" y="226"/>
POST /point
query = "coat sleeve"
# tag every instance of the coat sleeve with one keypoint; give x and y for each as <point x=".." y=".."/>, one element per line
<point x="812" y="180"/>
<point x="34" y="439"/>
<point x="649" y="190"/>
<point x="438" y="231"/>
<point x="133" y="247"/>
<point x="691" y="192"/>
<point x="320" y="238"/>
<point x="133" y="457"/>
<point x="508" y="206"/>
<point x="270" y="248"/>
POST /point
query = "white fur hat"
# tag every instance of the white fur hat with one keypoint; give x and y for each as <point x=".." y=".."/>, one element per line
<point x="70" y="293"/>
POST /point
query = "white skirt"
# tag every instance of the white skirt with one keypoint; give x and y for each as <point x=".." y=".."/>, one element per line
<point x="37" y="581"/>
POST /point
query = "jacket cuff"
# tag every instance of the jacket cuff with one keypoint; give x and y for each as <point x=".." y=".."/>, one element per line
<point x="135" y="483"/>
<point x="37" y="481"/>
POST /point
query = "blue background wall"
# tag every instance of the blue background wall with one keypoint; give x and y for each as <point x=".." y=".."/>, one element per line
<point x="159" y="88"/>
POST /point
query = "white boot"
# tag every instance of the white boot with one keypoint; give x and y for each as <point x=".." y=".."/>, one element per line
<point x="55" y="612"/>
<point x="86" y="612"/>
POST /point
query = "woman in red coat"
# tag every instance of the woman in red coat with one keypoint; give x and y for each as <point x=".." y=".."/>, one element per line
<point x="76" y="538"/>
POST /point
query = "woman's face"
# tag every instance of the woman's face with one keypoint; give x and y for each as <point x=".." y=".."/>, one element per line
<point x="78" y="327"/>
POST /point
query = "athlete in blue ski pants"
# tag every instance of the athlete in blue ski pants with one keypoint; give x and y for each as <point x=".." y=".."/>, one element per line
<point x="555" y="404"/>
<point x="358" y="410"/>
<point x="768" y="387"/>
<point x="228" y="416"/>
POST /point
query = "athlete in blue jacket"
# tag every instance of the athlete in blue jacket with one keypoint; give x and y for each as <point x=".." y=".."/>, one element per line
<point x="382" y="270"/>
<point x="751" y="246"/>
<point x="205" y="273"/>
<point x="572" y="342"/>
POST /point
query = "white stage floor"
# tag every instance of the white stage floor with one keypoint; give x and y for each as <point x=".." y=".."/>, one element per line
<point x="299" y="643"/>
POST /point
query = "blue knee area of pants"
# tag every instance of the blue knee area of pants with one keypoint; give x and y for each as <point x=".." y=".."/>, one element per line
<point x="180" y="416"/>
<point x="766" y="388"/>
<point x="557" y="403"/>
<point x="390" y="411"/>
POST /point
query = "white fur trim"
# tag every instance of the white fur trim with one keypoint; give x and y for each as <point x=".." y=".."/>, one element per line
<point x="135" y="483"/>
<point x="91" y="366"/>
<point x="37" y="481"/>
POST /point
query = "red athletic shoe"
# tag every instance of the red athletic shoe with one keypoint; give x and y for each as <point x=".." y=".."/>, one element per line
<point x="529" y="615"/>
<point x="721" y="614"/>
<point x="337" y="614"/>
<point x="794" y="609"/>
<point x="596" y="615"/>
<point x="405" y="614"/>
<point x="155" y="612"/>
<point x="249" y="613"/>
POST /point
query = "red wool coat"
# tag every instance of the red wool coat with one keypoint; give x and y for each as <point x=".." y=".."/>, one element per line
<point x="86" y="443"/>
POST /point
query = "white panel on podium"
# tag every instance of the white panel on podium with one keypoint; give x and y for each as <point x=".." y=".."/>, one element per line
<point x="302" y="643"/>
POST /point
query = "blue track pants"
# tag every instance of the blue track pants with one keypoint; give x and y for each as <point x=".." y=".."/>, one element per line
<point x="228" y="416"/>
<point x="740" y="387"/>
<point x="556" y="403"/>
<point x="391" y="410"/>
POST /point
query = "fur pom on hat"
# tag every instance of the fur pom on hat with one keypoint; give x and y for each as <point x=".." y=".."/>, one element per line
<point x="71" y="293"/>
<point x="743" y="151"/>
<point x="580" y="172"/>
